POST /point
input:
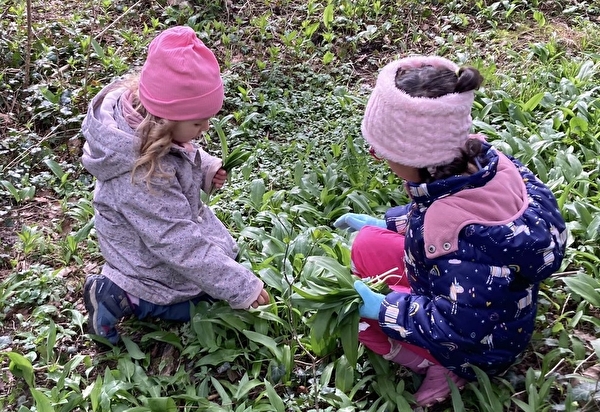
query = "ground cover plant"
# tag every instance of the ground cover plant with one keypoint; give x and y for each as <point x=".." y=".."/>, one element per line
<point x="297" y="75"/>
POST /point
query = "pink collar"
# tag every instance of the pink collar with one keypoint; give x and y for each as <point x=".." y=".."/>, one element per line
<point x="500" y="201"/>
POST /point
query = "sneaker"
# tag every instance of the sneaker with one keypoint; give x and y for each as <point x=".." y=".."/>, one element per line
<point x="435" y="387"/>
<point x="106" y="304"/>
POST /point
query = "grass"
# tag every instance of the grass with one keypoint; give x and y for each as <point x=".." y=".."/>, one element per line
<point x="297" y="76"/>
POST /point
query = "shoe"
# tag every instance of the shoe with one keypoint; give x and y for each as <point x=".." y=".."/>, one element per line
<point x="106" y="304"/>
<point x="435" y="387"/>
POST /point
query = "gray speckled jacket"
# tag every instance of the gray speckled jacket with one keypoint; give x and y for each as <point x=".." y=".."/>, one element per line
<point x="162" y="245"/>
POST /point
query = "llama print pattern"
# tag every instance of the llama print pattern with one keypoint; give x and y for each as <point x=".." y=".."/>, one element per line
<point x="498" y="272"/>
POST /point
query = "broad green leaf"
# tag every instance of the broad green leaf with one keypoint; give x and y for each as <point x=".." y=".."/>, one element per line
<point x="596" y="345"/>
<point x="50" y="342"/>
<point x="349" y="338"/>
<point x="585" y="286"/>
<point x="42" y="402"/>
<point x="328" y="15"/>
<point x="344" y="374"/>
<point x="163" y="336"/>
<point x="533" y="102"/>
<point x="97" y="48"/>
<point x="266" y="341"/>
<point x="48" y="95"/>
<point x="361" y="204"/>
<point x="126" y="367"/>
<point x="162" y="404"/>
<point x="326" y="374"/>
<point x="133" y="349"/>
<point x="205" y="333"/>
<point x="55" y="168"/>
<point x="586" y="71"/>
<point x="245" y="386"/>
<point x="225" y="399"/>
<point x="257" y="191"/>
<point x="321" y="323"/>
<point x="68" y="367"/>
<point x="274" y="397"/>
<point x="21" y="366"/>
<point x="219" y="356"/>
<point x="457" y="402"/>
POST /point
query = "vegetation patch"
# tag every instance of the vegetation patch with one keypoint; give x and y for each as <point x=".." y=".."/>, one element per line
<point x="297" y="75"/>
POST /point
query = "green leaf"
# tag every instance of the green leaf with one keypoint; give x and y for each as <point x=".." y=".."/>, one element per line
<point x="274" y="398"/>
<point x="21" y="366"/>
<point x="13" y="190"/>
<point x="344" y="374"/>
<point x="236" y="158"/>
<point x="328" y="15"/>
<point x="533" y="102"/>
<point x="163" y="336"/>
<point x="133" y="349"/>
<point x="596" y="345"/>
<point x="360" y="202"/>
<point x="219" y="356"/>
<point x="161" y="404"/>
<point x="457" y="402"/>
<point x="257" y="191"/>
<point x="321" y="323"/>
<point x="585" y="286"/>
<point x="349" y="337"/>
<point x="50" y="342"/>
<point x="245" y="386"/>
<point x="42" y="402"/>
<point x="97" y="48"/>
<point x="266" y="341"/>
<point x="225" y="399"/>
<point x="55" y="168"/>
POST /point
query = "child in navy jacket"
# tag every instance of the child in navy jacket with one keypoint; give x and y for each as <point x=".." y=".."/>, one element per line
<point x="470" y="250"/>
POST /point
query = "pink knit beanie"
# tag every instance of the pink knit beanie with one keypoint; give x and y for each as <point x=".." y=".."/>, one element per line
<point x="416" y="131"/>
<point x="180" y="79"/>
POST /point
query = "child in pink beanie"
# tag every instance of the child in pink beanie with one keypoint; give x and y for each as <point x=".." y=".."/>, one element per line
<point x="470" y="249"/>
<point x="164" y="249"/>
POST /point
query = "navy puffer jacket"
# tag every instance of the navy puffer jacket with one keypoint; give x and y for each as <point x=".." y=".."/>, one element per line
<point x="476" y="249"/>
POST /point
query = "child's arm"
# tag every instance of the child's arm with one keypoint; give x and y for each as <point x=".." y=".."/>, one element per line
<point x="396" y="218"/>
<point x="211" y="169"/>
<point x="201" y="253"/>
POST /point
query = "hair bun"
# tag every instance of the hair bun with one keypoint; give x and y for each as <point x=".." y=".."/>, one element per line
<point x="469" y="79"/>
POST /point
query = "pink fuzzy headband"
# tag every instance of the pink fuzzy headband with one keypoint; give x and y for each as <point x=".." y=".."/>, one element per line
<point x="416" y="131"/>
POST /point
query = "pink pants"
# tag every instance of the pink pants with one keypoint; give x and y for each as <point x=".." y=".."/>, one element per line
<point x="376" y="251"/>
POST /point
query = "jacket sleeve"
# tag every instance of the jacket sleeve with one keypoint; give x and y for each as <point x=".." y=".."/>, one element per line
<point x="451" y="312"/>
<point x="162" y="217"/>
<point x="210" y="166"/>
<point x="396" y="218"/>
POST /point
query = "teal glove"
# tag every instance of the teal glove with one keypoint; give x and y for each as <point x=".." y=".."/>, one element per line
<point x="355" y="221"/>
<point x="371" y="301"/>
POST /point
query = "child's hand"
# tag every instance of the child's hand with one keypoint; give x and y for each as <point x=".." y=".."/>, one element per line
<point x="262" y="299"/>
<point x="371" y="301"/>
<point x="355" y="221"/>
<point x="219" y="179"/>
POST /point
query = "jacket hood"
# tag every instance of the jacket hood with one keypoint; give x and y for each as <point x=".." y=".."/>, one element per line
<point x="111" y="145"/>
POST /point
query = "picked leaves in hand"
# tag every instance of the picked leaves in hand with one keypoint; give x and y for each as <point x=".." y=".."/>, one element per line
<point x="236" y="158"/>
<point x="327" y="287"/>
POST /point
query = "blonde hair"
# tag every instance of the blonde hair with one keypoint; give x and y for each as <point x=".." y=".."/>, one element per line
<point x="156" y="137"/>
